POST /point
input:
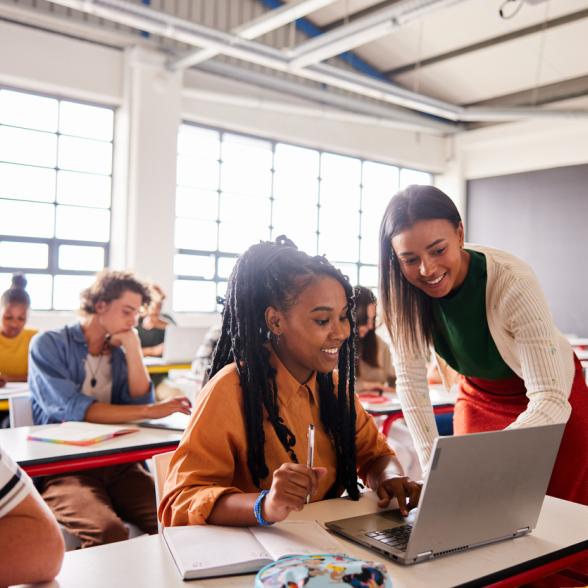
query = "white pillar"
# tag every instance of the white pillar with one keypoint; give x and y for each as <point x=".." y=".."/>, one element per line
<point x="145" y="168"/>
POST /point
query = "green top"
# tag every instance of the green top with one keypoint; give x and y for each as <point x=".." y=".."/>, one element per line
<point x="460" y="333"/>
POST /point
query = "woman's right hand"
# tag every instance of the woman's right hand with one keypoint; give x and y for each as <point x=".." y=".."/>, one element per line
<point x="164" y="408"/>
<point x="291" y="484"/>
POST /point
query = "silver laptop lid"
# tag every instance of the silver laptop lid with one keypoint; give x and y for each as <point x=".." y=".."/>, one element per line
<point x="181" y="343"/>
<point x="483" y="487"/>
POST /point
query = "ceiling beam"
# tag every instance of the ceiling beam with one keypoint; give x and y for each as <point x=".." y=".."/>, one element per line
<point x="556" y="22"/>
<point x="363" y="30"/>
<point x="268" y="21"/>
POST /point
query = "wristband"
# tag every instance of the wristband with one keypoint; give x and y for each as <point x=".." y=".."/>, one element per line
<point x="257" y="509"/>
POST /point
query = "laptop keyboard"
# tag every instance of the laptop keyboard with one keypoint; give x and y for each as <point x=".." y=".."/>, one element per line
<point x="396" y="537"/>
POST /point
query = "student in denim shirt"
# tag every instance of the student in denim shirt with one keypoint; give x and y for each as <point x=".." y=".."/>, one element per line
<point x="93" y="371"/>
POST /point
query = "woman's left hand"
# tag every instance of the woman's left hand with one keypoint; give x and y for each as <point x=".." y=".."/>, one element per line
<point x="405" y="490"/>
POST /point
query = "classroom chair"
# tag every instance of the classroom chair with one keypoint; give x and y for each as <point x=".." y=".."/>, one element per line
<point x="21" y="411"/>
<point x="160" y="465"/>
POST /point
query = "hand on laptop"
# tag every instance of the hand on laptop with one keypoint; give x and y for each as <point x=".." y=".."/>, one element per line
<point x="403" y="489"/>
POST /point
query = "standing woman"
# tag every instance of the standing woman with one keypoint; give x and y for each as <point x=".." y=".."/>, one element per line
<point x="484" y="313"/>
<point x="14" y="338"/>
<point x="285" y="360"/>
<point x="374" y="364"/>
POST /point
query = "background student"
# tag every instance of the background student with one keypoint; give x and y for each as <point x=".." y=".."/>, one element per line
<point x="151" y="327"/>
<point x="375" y="370"/>
<point x="486" y="316"/>
<point x="31" y="544"/>
<point x="14" y="337"/>
<point x="287" y="326"/>
<point x="93" y="371"/>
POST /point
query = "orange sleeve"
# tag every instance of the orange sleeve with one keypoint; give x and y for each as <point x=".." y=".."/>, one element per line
<point x="203" y="466"/>
<point x="370" y="444"/>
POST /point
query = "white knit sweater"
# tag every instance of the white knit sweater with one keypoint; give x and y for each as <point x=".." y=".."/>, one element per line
<point x="526" y="338"/>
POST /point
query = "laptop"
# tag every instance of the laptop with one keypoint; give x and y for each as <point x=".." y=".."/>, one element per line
<point x="180" y="344"/>
<point x="480" y="488"/>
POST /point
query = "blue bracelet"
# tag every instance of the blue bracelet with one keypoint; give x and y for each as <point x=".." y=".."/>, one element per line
<point x="257" y="509"/>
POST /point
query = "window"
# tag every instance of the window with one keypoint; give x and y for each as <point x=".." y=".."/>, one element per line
<point x="235" y="190"/>
<point x="55" y="195"/>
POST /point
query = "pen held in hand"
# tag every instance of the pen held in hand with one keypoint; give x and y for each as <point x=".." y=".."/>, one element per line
<point x="310" y="454"/>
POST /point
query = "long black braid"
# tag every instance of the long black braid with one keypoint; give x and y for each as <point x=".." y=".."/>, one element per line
<point x="274" y="274"/>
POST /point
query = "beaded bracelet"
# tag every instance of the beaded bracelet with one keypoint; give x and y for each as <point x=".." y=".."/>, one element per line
<point x="257" y="509"/>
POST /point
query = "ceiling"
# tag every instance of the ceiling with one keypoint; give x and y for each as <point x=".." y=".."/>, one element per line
<point x="439" y="63"/>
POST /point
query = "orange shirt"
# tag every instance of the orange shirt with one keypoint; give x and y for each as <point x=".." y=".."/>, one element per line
<point x="211" y="459"/>
<point x="14" y="353"/>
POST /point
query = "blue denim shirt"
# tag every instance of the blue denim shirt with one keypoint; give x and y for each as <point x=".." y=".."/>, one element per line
<point x="57" y="372"/>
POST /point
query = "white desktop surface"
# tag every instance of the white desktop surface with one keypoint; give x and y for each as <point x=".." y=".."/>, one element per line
<point x="146" y="562"/>
<point x="25" y="452"/>
<point x="12" y="389"/>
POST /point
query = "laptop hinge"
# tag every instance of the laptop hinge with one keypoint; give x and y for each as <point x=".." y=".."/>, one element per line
<point x="424" y="554"/>
<point x="522" y="531"/>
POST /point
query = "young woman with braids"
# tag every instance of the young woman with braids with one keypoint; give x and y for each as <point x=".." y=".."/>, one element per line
<point x="287" y="325"/>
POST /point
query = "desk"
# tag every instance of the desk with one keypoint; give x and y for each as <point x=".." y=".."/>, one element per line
<point x="561" y="537"/>
<point x="38" y="458"/>
<point x="156" y="365"/>
<point x="442" y="400"/>
<point x="12" y="390"/>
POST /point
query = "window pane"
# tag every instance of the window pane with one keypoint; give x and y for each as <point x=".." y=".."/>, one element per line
<point x="85" y="155"/>
<point x="236" y="237"/>
<point x="38" y="286"/>
<point x="32" y="147"/>
<point x="24" y="182"/>
<point x="225" y="266"/>
<point x="253" y="213"/>
<point x="75" y="257"/>
<point x="82" y="120"/>
<point x="195" y="141"/>
<point x="195" y="296"/>
<point x="293" y="161"/>
<point x="66" y="292"/>
<point x="246" y="152"/>
<point x="380" y="178"/>
<point x="24" y="255"/>
<point x="368" y="276"/>
<point x="412" y="176"/>
<point x="83" y="189"/>
<point x="198" y="172"/>
<point x="349" y="270"/>
<point x="194" y="203"/>
<point x="343" y="171"/>
<point x="195" y="234"/>
<point x="27" y="110"/>
<point x="200" y="266"/>
<point x="241" y="179"/>
<point x="83" y="224"/>
<point x="26" y="219"/>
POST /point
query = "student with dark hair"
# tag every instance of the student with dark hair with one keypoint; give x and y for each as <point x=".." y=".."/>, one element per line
<point x="93" y="371"/>
<point x="484" y="313"/>
<point x="151" y="327"/>
<point x="285" y="359"/>
<point x="374" y="363"/>
<point x="14" y="337"/>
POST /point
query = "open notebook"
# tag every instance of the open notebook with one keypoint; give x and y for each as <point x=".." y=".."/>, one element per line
<point x="203" y="551"/>
<point x="81" y="434"/>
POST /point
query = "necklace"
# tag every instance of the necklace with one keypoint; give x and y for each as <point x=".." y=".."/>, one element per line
<point x="93" y="373"/>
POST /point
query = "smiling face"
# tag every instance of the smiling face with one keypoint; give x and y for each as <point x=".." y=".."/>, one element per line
<point x="13" y="319"/>
<point x="308" y="336"/>
<point x="121" y="314"/>
<point x="431" y="256"/>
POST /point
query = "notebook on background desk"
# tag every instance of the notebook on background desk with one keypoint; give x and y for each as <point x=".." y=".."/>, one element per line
<point x="481" y="488"/>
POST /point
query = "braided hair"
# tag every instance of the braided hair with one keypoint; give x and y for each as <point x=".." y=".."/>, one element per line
<point x="274" y="274"/>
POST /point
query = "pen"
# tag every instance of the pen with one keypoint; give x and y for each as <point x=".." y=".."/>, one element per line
<point x="310" y="454"/>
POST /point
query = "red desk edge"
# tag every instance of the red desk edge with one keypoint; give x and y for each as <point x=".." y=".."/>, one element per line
<point x="78" y="463"/>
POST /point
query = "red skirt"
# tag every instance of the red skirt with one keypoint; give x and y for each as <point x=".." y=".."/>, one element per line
<point x="491" y="405"/>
